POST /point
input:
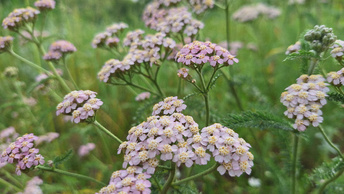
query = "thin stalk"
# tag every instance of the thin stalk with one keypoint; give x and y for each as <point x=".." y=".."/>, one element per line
<point x="330" y="142"/>
<point x="311" y="68"/>
<point x="201" y="174"/>
<point x="211" y="78"/>
<point x="142" y="88"/>
<point x="293" y="177"/>
<point x="206" y="97"/>
<point x="338" y="174"/>
<point x="11" y="178"/>
<point x="157" y="182"/>
<point x="170" y="179"/>
<point x="75" y="175"/>
<point x="69" y="74"/>
<point x="39" y="68"/>
<point x="8" y="184"/>
<point x="44" y="19"/>
<point x="101" y="127"/>
<point x="164" y="167"/>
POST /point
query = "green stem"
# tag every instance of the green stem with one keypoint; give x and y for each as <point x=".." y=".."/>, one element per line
<point x="338" y="174"/>
<point x="206" y="97"/>
<point x="170" y="179"/>
<point x="69" y="74"/>
<point x="157" y="182"/>
<point x="164" y="167"/>
<point x="211" y="78"/>
<point x="4" y="182"/>
<point x="293" y="177"/>
<point x="227" y="23"/>
<point x="330" y="142"/>
<point x="314" y="63"/>
<point x="11" y="178"/>
<point x="78" y="176"/>
<point x="201" y="174"/>
<point x="39" y="68"/>
<point x="141" y="88"/>
<point x="101" y="127"/>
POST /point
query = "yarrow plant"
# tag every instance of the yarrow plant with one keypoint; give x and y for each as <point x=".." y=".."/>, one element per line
<point x="22" y="153"/>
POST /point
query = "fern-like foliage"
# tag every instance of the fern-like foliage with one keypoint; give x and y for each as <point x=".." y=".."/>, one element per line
<point x="63" y="158"/>
<point x="302" y="54"/>
<point x="337" y="97"/>
<point x="327" y="170"/>
<point x="260" y="120"/>
<point x="212" y="84"/>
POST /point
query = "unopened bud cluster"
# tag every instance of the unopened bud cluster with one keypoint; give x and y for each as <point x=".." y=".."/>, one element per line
<point x="304" y="101"/>
<point x="320" y="38"/>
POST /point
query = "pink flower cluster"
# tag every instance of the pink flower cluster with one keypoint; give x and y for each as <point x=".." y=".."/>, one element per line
<point x="5" y="43"/>
<point x="109" y="38"/>
<point x="81" y="105"/>
<point x="7" y="136"/>
<point x="251" y="12"/>
<point x="143" y="96"/>
<point x="59" y="49"/>
<point x="169" y="106"/>
<point x="197" y="53"/>
<point x="145" y="51"/>
<point x="19" y="17"/>
<point x="173" y="20"/>
<point x="23" y="153"/>
<point x="304" y="101"/>
<point x="338" y="49"/>
<point x="84" y="150"/>
<point x="336" y="77"/>
<point x="32" y="186"/>
<point x="184" y="73"/>
<point x="131" y="180"/>
<point x="43" y="5"/>
<point x="199" y="6"/>
<point x="228" y="149"/>
<point x="48" y="137"/>
<point x="294" y="48"/>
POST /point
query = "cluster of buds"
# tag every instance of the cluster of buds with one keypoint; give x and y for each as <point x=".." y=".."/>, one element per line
<point x="320" y="38"/>
<point x="294" y="48"/>
<point x="109" y="38"/>
<point x="336" y="77"/>
<point x="304" y="101"/>
<point x="22" y="153"/>
<point x="19" y="17"/>
<point x="81" y="105"/>
<point x="197" y="53"/>
<point x="173" y="20"/>
<point x="59" y="49"/>
<point x="11" y="72"/>
<point x="45" y="5"/>
<point x="131" y="180"/>
<point x="5" y="43"/>
<point x="145" y="52"/>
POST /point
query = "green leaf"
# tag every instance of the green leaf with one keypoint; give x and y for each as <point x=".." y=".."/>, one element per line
<point x="327" y="170"/>
<point x="336" y="97"/>
<point x="63" y="158"/>
<point x="212" y="84"/>
<point x="260" y="120"/>
<point x="302" y="54"/>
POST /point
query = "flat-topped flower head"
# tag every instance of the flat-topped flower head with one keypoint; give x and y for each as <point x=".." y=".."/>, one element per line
<point x="249" y="13"/>
<point x="19" y="17"/>
<point x="305" y="99"/>
<point x="81" y="105"/>
<point x="62" y="46"/>
<point x="52" y="56"/>
<point x="99" y="40"/>
<point x="198" y="53"/>
<point x="5" y="43"/>
<point x="22" y="153"/>
<point x="44" y="5"/>
<point x="199" y="6"/>
<point x="169" y="106"/>
<point x="116" y="28"/>
<point x="142" y="96"/>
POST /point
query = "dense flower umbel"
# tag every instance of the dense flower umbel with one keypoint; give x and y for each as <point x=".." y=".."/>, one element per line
<point x="251" y="12"/>
<point x="173" y="20"/>
<point x="337" y="50"/>
<point x="131" y="180"/>
<point x="336" y="78"/>
<point x="199" y="6"/>
<point x="143" y="51"/>
<point x="5" y="43"/>
<point x="169" y="106"/>
<point x="109" y="38"/>
<point x="19" y="17"/>
<point x="59" y="49"/>
<point x="81" y="105"/>
<point x="197" y="53"/>
<point x="228" y="149"/>
<point x="22" y="153"/>
<point x="43" y="5"/>
<point x="304" y="101"/>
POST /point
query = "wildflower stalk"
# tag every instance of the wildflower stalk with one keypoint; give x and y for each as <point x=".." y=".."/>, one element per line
<point x="293" y="177"/>
<point x="170" y="179"/>
<point x="337" y="175"/>
<point x="205" y="96"/>
<point x="101" y="127"/>
<point x="321" y="129"/>
<point x="314" y="63"/>
<point x="75" y="175"/>
<point x="69" y="74"/>
<point x="39" y="68"/>
<point x="8" y="184"/>
<point x="157" y="182"/>
<point x="211" y="169"/>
